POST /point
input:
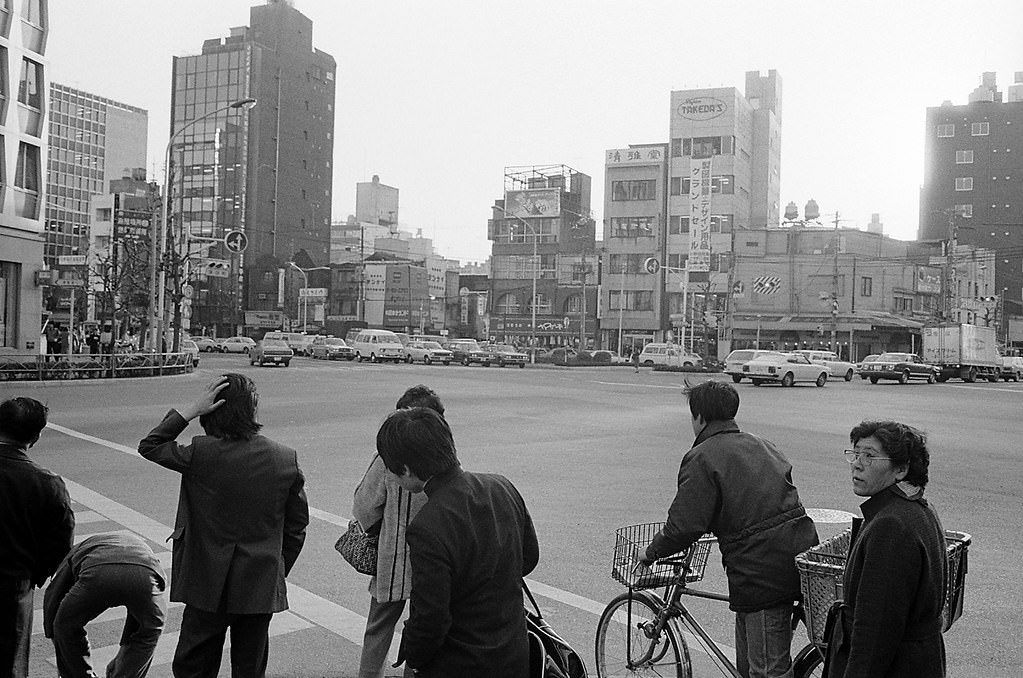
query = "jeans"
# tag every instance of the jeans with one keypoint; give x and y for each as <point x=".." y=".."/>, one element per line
<point x="97" y="589"/>
<point x="380" y="623"/>
<point x="16" y="600"/>
<point x="763" y="642"/>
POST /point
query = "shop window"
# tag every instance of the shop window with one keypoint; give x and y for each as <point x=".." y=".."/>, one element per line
<point x="640" y="189"/>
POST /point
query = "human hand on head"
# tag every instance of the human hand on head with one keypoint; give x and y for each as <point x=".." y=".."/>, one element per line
<point x="208" y="401"/>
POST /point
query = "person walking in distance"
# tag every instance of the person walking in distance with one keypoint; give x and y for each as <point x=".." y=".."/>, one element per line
<point x="470" y="546"/>
<point x="37" y="528"/>
<point x="382" y="503"/>
<point x="240" y="526"/>
<point x="101" y="572"/>
<point x="739" y="487"/>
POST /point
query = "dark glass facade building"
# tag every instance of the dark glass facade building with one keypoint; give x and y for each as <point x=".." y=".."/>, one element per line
<point x="264" y="171"/>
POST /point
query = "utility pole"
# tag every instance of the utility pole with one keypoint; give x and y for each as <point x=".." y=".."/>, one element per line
<point x="834" y="294"/>
<point x="949" y="301"/>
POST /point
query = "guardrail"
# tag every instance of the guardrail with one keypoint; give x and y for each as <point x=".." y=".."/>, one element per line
<point x="34" y="367"/>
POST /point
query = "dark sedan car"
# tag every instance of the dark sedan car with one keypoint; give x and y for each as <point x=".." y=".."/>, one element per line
<point x="271" y="352"/>
<point x="507" y="355"/>
<point x="331" y="348"/>
<point x="467" y="352"/>
<point x="900" y="367"/>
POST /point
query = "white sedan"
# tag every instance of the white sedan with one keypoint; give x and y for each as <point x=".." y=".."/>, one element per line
<point x="785" y="369"/>
<point x="837" y="368"/>
<point x="236" y="345"/>
<point x="427" y="352"/>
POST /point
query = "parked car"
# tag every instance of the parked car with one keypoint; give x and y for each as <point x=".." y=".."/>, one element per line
<point x="207" y="344"/>
<point x="837" y="368"/>
<point x="507" y="354"/>
<point x="190" y="347"/>
<point x="271" y="352"/>
<point x="736" y="359"/>
<point x="605" y="357"/>
<point x="236" y="345"/>
<point x="1012" y="368"/>
<point x="900" y="367"/>
<point x="299" y="342"/>
<point x="331" y="348"/>
<point x="785" y="369"/>
<point x="377" y="346"/>
<point x="428" y="352"/>
<point x="467" y="352"/>
<point x="668" y="354"/>
<point x="861" y="367"/>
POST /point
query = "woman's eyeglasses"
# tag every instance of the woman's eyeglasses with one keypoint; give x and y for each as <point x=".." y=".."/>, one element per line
<point x="852" y="456"/>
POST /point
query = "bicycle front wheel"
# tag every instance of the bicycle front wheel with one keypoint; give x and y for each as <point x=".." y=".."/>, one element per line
<point x="627" y="644"/>
<point x="809" y="663"/>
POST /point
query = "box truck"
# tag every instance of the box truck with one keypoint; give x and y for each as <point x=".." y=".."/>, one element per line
<point x="966" y="352"/>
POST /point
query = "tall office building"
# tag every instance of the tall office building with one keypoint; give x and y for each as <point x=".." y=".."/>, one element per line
<point x="648" y="211"/>
<point x="23" y="33"/>
<point x="265" y="172"/>
<point x="376" y="203"/>
<point x="973" y="184"/>
<point x="92" y="141"/>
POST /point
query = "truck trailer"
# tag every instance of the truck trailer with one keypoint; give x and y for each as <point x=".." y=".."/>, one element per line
<point x="966" y="352"/>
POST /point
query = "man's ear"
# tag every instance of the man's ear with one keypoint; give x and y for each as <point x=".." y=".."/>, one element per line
<point x="33" y="441"/>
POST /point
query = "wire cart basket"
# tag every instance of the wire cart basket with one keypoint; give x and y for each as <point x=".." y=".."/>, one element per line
<point x="822" y="571"/>
<point x="632" y="541"/>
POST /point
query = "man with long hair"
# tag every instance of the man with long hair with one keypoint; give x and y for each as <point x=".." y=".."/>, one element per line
<point x="241" y="522"/>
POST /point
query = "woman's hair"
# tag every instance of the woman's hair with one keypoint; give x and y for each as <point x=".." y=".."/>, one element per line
<point x="236" y="418"/>
<point x="419" y="439"/>
<point x="904" y="444"/>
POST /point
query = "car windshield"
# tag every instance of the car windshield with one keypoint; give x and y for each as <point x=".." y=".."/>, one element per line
<point x="275" y="343"/>
<point x="430" y="344"/>
<point x="335" y="342"/>
<point x="894" y="357"/>
<point x="185" y="343"/>
<point x="502" y="348"/>
<point x="466" y="345"/>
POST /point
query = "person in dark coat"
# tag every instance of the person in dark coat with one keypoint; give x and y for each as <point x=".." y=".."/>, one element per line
<point x="896" y="573"/>
<point x="37" y="528"/>
<point x="739" y="487"/>
<point x="241" y="523"/>
<point x="470" y="546"/>
<point x="101" y="572"/>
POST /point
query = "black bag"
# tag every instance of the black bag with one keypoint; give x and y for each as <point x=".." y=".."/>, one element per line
<point x="359" y="548"/>
<point x="549" y="655"/>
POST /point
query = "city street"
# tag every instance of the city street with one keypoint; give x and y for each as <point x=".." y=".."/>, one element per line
<point x="590" y="449"/>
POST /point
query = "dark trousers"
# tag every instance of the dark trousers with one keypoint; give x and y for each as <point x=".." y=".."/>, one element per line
<point x="201" y="644"/>
<point x="15" y="626"/>
<point x="97" y="589"/>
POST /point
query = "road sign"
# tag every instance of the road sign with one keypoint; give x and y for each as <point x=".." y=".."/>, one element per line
<point x="187" y="291"/>
<point x="71" y="260"/>
<point x="652" y="265"/>
<point x="186" y="312"/>
<point x="236" y="241"/>
<point x="69" y="282"/>
<point x="315" y="292"/>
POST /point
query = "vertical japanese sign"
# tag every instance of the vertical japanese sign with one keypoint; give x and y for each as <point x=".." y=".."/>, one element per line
<point x="699" y="215"/>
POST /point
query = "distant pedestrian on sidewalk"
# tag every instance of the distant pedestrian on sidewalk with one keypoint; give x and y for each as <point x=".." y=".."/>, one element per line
<point x="241" y="523"/>
<point x="37" y="528"/>
<point x="635" y="360"/>
<point x="101" y="572"/>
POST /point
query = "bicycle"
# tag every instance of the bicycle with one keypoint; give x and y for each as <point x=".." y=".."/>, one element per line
<point x="638" y="632"/>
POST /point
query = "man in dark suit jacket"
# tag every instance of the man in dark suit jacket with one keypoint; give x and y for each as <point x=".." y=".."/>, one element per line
<point x="470" y="546"/>
<point x="101" y="572"/>
<point x="37" y="527"/>
<point x="242" y="516"/>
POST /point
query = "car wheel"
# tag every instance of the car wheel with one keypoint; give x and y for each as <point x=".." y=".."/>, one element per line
<point x="522" y="366"/>
<point x="904" y="377"/>
<point x="687" y="364"/>
<point x="246" y="350"/>
<point x="427" y="360"/>
<point x="822" y="379"/>
<point x="286" y="363"/>
<point x="971" y="376"/>
<point x="849" y="375"/>
<point x="736" y="378"/>
<point x="486" y="364"/>
<point x="373" y="358"/>
<point x="873" y="380"/>
<point x="788" y="380"/>
<point x="648" y="363"/>
<point x="500" y="363"/>
<point x="359" y="356"/>
<point x="758" y="382"/>
<point x="465" y="361"/>
<point x="409" y="359"/>
<point x="930" y="378"/>
<point x="252" y="362"/>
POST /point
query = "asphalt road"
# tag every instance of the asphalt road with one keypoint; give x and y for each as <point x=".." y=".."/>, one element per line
<point x="590" y="449"/>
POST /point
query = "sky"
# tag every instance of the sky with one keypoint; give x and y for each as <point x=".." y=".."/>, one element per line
<point x="437" y="97"/>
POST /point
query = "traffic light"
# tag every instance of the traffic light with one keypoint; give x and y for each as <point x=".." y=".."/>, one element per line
<point x="834" y="307"/>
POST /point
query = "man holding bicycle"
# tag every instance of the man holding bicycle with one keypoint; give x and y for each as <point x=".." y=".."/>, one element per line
<point x="739" y="487"/>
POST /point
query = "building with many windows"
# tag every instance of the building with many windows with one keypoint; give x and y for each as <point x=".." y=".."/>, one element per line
<point x="732" y="141"/>
<point x="92" y="141"/>
<point x="973" y="184"/>
<point x="24" y="26"/>
<point x="265" y="172"/>
<point x="543" y="241"/>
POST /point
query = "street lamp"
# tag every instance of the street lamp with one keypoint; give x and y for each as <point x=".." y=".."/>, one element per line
<point x="304" y="300"/>
<point x="157" y="314"/>
<point x="536" y="271"/>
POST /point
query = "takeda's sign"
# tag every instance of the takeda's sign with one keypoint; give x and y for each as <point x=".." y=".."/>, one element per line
<point x="701" y="108"/>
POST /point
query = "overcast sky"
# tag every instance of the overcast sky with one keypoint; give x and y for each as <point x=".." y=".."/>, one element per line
<point x="437" y="96"/>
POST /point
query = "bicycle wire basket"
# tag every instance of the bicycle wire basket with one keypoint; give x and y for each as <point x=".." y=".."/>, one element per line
<point x="631" y="541"/>
<point x="822" y="571"/>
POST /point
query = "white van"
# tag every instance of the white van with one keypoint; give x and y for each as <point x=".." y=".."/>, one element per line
<point x="377" y="346"/>
<point x="668" y="354"/>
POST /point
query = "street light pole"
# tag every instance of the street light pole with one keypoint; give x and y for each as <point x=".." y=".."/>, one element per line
<point x="536" y="271"/>
<point x="157" y="315"/>
<point x="303" y="307"/>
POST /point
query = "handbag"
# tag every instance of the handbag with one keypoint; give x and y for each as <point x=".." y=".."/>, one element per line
<point x="358" y="548"/>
